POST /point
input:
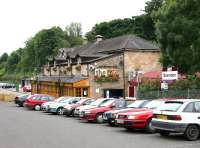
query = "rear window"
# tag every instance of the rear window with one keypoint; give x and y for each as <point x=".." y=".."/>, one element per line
<point x="136" y="104"/>
<point x="106" y="103"/>
<point x="154" y="104"/>
<point x="170" y="106"/>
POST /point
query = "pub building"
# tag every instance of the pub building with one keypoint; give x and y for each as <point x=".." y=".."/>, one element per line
<point x="104" y="68"/>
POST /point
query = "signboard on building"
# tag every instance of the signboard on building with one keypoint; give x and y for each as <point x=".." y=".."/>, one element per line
<point x="169" y="75"/>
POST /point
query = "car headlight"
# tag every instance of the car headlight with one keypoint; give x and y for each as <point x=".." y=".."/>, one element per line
<point x="131" y="117"/>
<point x="87" y="112"/>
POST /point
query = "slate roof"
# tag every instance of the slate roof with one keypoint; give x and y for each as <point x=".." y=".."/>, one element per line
<point x="62" y="79"/>
<point x="101" y="48"/>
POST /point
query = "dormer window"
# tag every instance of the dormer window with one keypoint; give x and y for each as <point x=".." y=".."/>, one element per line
<point x="79" y="60"/>
<point x="54" y="63"/>
<point x="69" y="61"/>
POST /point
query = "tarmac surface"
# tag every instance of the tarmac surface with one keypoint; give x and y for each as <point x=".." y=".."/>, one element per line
<point x="23" y="128"/>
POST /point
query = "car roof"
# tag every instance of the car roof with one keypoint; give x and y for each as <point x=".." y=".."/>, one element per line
<point x="183" y="100"/>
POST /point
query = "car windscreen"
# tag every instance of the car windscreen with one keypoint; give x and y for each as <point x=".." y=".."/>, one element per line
<point x="170" y="106"/>
<point x="36" y="97"/>
<point x="154" y="104"/>
<point x="64" y="100"/>
<point x="106" y="103"/>
<point x="81" y="101"/>
<point x="136" y="104"/>
<point x="97" y="102"/>
<point x="120" y="103"/>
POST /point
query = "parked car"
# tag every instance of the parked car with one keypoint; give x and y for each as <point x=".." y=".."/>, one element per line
<point x="78" y="111"/>
<point x="96" y="114"/>
<point x="178" y="116"/>
<point x="35" y="101"/>
<point x="20" y="100"/>
<point x="58" y="107"/>
<point x="139" y="118"/>
<point x="69" y="109"/>
<point x="110" y="116"/>
<point x="45" y="106"/>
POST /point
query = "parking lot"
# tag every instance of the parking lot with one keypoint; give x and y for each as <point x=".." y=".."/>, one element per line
<point x="22" y="128"/>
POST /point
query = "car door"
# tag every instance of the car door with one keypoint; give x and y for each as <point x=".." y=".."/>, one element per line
<point x="189" y="114"/>
<point x="197" y="110"/>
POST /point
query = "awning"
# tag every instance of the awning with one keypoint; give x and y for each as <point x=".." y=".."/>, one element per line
<point x="152" y="74"/>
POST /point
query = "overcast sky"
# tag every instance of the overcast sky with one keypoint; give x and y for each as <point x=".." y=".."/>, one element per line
<point x="22" y="19"/>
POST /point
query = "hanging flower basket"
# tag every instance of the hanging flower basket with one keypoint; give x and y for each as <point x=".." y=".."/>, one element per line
<point x="104" y="79"/>
<point x="78" y="67"/>
<point x="69" y="68"/>
<point x="54" y="69"/>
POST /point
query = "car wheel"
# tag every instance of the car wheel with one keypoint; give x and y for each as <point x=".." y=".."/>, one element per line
<point x="20" y="105"/>
<point x="149" y="127"/>
<point x="164" y="133"/>
<point x="99" y="118"/>
<point x="23" y="104"/>
<point x="111" y="123"/>
<point x="60" y="111"/>
<point x="73" y="115"/>
<point x="129" y="129"/>
<point x="37" y="107"/>
<point x="192" y="132"/>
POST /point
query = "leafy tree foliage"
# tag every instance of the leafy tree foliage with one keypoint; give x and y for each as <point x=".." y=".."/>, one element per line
<point x="44" y="44"/>
<point x="3" y="58"/>
<point x="178" y="33"/>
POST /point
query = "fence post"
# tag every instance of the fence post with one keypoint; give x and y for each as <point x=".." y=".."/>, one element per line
<point x="188" y="93"/>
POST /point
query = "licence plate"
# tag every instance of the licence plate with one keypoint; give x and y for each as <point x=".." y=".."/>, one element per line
<point x="163" y="117"/>
<point x="120" y="121"/>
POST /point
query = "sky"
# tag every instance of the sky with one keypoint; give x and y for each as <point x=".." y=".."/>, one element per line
<point x="22" y="19"/>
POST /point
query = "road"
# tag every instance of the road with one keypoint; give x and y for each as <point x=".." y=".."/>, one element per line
<point x="22" y="128"/>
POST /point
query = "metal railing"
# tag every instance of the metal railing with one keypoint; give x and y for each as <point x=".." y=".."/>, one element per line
<point x="179" y="94"/>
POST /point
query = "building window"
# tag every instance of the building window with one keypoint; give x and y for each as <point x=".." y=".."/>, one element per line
<point x="78" y="92"/>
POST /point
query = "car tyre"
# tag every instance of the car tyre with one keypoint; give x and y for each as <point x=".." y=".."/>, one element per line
<point x="99" y="118"/>
<point x="72" y="113"/>
<point x="112" y="123"/>
<point x="60" y="111"/>
<point x="164" y="133"/>
<point x="192" y="132"/>
<point x="149" y="127"/>
<point x="37" y="107"/>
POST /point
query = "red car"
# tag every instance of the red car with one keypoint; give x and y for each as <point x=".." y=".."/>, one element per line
<point x="35" y="101"/>
<point x="96" y="114"/>
<point x="70" y="108"/>
<point x="139" y="118"/>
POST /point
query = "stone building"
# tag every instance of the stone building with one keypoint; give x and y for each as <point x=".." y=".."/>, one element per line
<point x="104" y="68"/>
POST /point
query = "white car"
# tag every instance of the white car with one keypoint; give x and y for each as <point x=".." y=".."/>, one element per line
<point x="178" y="116"/>
<point x="58" y="107"/>
<point x="45" y="105"/>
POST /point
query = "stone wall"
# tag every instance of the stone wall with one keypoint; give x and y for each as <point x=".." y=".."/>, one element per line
<point x="112" y="63"/>
<point x="140" y="61"/>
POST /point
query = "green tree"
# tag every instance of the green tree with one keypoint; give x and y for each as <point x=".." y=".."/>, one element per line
<point x="4" y="57"/>
<point x="178" y="33"/>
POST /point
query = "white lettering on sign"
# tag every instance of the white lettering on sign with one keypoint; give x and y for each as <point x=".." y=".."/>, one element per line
<point x="101" y="72"/>
<point x="169" y="75"/>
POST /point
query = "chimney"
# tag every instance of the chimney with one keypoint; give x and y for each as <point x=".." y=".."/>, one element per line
<point x="99" y="38"/>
